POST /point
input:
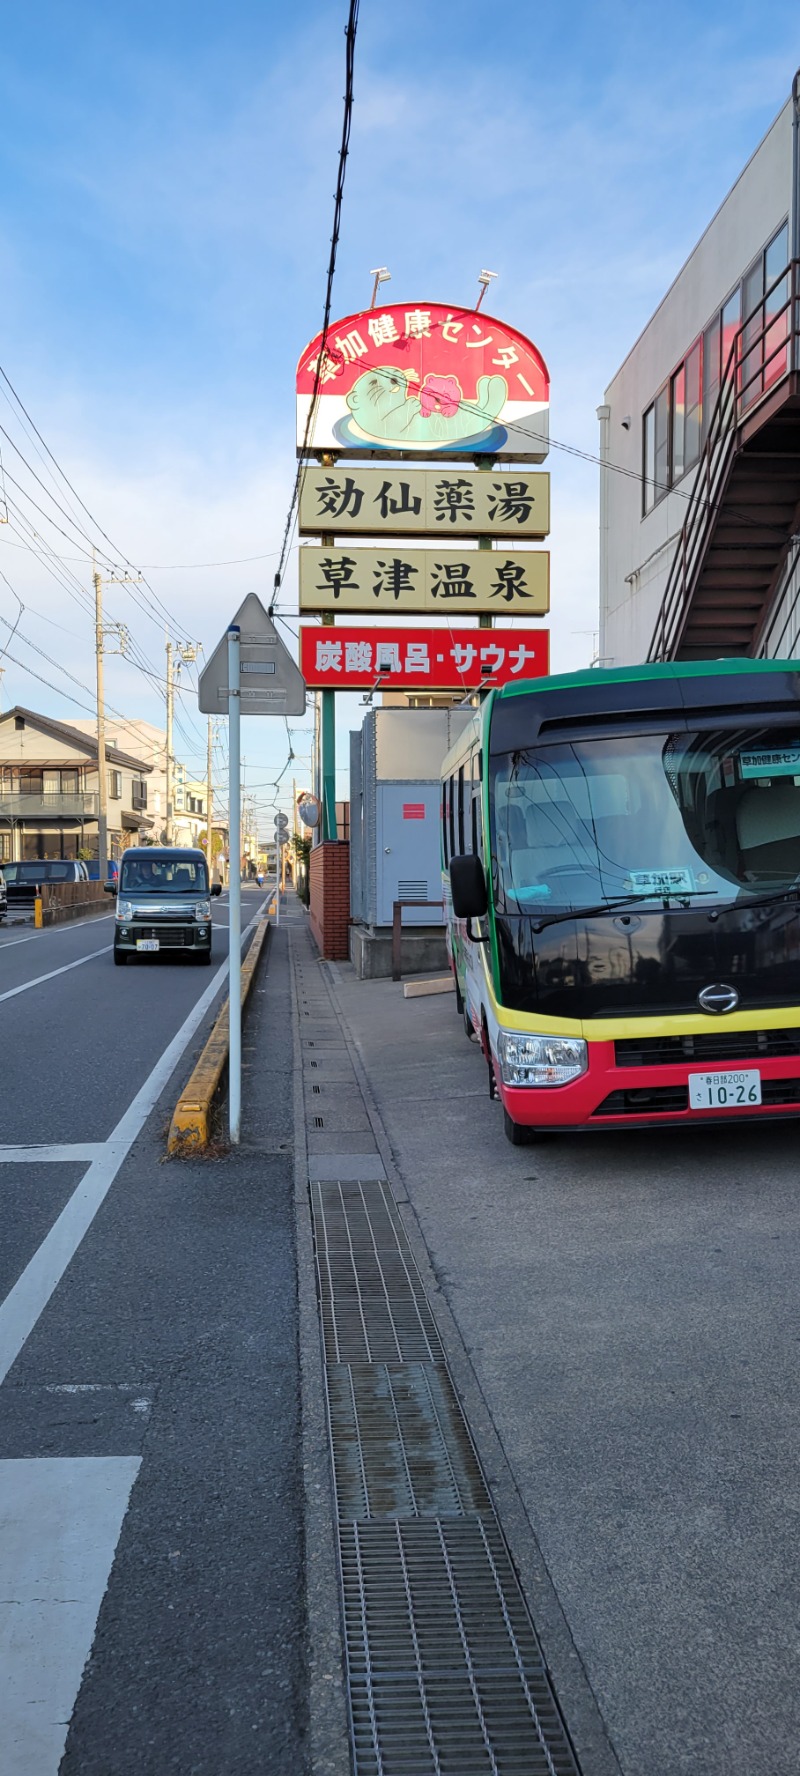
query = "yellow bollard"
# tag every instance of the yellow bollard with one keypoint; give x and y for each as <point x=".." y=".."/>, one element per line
<point x="37" y="913"/>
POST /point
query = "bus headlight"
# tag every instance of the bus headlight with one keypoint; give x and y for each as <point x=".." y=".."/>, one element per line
<point x="540" y="1060"/>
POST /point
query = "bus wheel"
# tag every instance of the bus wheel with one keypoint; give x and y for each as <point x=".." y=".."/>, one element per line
<point x="516" y="1132"/>
<point x="459" y="1000"/>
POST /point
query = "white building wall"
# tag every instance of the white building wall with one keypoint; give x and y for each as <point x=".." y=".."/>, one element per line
<point x="635" y="551"/>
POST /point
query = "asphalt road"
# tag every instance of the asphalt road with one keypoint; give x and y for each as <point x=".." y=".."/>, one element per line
<point x="151" y="1561"/>
<point x="629" y="1323"/>
<point x="79" y="1035"/>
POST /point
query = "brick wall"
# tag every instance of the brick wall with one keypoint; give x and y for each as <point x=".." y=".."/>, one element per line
<point x="330" y="898"/>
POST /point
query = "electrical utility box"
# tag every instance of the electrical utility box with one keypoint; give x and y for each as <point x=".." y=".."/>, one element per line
<point x="395" y="796"/>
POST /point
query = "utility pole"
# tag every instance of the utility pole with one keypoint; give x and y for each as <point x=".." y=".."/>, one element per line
<point x="169" y="791"/>
<point x="209" y="800"/>
<point x="102" y="779"/>
<point x="186" y="651"/>
<point x="101" y="630"/>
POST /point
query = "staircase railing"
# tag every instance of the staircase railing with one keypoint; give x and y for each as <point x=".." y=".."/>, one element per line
<point x="763" y="352"/>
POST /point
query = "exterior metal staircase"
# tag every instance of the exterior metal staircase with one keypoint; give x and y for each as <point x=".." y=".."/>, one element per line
<point x="744" y="505"/>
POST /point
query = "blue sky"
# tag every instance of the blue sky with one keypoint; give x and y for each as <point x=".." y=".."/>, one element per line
<point x="167" y="176"/>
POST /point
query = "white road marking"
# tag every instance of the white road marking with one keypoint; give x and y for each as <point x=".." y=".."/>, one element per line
<point x="40" y="978"/>
<point x="53" y="931"/>
<point x="33" y="1289"/>
<point x="70" y="1152"/>
<point x="62" y="1519"/>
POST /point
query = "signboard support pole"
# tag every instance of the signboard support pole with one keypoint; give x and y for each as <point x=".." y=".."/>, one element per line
<point x="329" y="830"/>
<point x="235" y="898"/>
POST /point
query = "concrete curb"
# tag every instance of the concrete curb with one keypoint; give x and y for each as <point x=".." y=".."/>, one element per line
<point x="329" y="1748"/>
<point x="190" y="1129"/>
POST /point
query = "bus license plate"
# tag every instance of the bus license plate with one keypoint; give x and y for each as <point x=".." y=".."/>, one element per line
<point x="147" y="943"/>
<point x="724" y="1091"/>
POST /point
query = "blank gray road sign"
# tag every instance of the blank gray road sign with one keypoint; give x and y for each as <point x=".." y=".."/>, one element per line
<point x="270" y="683"/>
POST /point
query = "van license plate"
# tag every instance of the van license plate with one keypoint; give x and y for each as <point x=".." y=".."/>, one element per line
<point x="147" y="943"/>
<point x="724" y="1091"/>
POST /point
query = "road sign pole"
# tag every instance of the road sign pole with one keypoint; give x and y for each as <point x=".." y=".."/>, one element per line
<point x="235" y="898"/>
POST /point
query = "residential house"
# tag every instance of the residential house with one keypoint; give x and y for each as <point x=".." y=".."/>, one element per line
<point x="49" y="791"/>
<point x="189" y="794"/>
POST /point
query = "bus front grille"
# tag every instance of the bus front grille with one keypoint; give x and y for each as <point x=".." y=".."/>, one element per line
<point x="719" y="1045"/>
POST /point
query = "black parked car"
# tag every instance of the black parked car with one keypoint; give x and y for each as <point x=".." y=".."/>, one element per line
<point x="3" y="896"/>
<point x="23" y="880"/>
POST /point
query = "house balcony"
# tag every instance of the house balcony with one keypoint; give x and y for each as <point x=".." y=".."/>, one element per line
<point x="50" y="805"/>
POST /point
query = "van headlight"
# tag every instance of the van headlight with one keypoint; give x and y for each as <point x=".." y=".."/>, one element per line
<point x="125" y="909"/>
<point x="202" y="909"/>
<point x="540" y="1060"/>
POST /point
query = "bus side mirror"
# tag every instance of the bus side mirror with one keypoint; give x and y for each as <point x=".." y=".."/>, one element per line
<point x="468" y="887"/>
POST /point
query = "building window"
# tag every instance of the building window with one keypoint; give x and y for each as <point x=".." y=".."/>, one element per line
<point x="678" y="418"/>
<point x="115" y="785"/>
<point x="648" y="460"/>
<point x="694" y="400"/>
<point x="685" y="405"/>
<point x="138" y="794"/>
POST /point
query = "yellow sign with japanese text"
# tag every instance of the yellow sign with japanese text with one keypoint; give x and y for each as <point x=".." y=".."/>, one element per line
<point x="424" y="502"/>
<point x="432" y="582"/>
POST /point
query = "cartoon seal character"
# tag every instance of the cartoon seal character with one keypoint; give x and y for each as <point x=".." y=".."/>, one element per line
<point x="383" y="408"/>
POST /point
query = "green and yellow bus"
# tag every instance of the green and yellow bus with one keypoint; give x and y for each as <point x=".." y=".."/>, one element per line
<point x="621" y="875"/>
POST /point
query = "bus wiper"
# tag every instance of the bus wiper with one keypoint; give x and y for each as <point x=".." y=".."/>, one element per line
<point x="759" y="900"/>
<point x="681" y="895"/>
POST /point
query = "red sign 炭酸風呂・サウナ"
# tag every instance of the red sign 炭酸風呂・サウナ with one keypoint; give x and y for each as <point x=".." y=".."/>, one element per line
<point x="406" y="659"/>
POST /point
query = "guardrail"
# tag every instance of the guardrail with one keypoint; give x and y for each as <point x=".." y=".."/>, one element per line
<point x="58" y="902"/>
<point x="191" y="1127"/>
<point x="397" y="930"/>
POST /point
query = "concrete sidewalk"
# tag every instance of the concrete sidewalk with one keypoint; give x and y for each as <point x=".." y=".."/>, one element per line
<point x="618" y="1314"/>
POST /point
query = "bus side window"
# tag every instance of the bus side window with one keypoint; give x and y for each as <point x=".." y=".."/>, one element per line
<point x="461" y="842"/>
<point x="475" y="803"/>
<point x="445" y="796"/>
<point x="451" y="824"/>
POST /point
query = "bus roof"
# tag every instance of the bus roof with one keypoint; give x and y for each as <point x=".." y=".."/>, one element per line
<point x="669" y="669"/>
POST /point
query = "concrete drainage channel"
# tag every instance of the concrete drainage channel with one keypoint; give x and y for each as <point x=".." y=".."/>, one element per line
<point x="444" y="1671"/>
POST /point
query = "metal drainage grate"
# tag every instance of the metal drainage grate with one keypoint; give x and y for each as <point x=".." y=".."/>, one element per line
<point x="375" y="1330"/>
<point x="318" y="1121"/>
<point x="401" y="1447"/>
<point x="446" y="1675"/>
<point x="372" y="1301"/>
<point x="356" y="1217"/>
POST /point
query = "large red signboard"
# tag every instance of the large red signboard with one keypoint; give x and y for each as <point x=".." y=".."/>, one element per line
<point x="424" y="380"/>
<point x="354" y="659"/>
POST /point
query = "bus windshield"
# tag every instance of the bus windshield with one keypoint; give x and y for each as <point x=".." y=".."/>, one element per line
<point x="712" y="812"/>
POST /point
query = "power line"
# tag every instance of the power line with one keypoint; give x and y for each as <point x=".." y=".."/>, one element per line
<point x="350" y="36"/>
